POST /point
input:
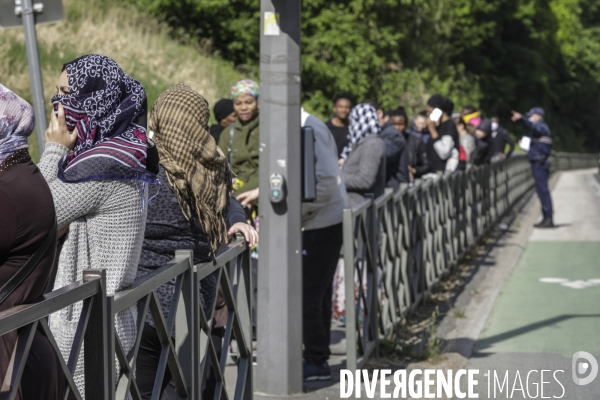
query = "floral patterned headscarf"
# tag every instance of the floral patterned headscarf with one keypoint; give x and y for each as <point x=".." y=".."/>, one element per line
<point x="16" y="123"/>
<point x="246" y="86"/>
<point x="104" y="104"/>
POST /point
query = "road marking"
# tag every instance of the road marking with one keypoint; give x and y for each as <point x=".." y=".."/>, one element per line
<point x="577" y="284"/>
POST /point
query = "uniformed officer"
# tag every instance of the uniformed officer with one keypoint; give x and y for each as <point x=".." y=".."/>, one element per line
<point x="539" y="151"/>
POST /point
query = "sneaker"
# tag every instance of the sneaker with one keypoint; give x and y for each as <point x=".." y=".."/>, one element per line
<point x="546" y="223"/>
<point x="314" y="372"/>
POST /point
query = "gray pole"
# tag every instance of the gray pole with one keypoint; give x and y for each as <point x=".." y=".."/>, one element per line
<point x="35" y="72"/>
<point x="279" y="359"/>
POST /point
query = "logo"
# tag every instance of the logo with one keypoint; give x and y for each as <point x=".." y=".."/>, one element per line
<point x="584" y="364"/>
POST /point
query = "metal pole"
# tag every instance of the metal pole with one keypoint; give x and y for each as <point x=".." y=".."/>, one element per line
<point x="279" y="360"/>
<point x="35" y="72"/>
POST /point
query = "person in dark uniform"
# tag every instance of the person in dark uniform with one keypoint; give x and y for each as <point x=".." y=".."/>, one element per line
<point x="539" y="151"/>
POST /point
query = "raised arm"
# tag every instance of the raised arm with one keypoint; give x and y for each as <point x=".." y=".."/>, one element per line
<point x="71" y="200"/>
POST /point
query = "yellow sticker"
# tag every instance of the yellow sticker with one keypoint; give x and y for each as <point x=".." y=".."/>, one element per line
<point x="271" y="25"/>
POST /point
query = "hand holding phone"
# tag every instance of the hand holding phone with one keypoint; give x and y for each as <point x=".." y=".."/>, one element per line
<point x="436" y="114"/>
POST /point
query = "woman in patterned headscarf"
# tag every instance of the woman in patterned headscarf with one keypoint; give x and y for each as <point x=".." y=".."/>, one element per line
<point x="95" y="165"/>
<point x="194" y="211"/>
<point x="364" y="168"/>
<point x="27" y="220"/>
<point x="240" y="143"/>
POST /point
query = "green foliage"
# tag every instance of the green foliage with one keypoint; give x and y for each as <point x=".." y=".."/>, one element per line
<point x="500" y="54"/>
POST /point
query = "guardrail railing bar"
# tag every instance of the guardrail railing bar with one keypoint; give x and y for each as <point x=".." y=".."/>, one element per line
<point x="96" y="355"/>
<point x="78" y="339"/>
<point x="185" y="324"/>
<point x="19" y="316"/>
<point x="63" y="365"/>
<point x="350" y="312"/>
<point x="168" y="357"/>
<point x="144" y="285"/>
<point x="24" y="340"/>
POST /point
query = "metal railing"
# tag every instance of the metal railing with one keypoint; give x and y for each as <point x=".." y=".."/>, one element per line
<point x="399" y="246"/>
<point x="29" y="318"/>
<point x="185" y="334"/>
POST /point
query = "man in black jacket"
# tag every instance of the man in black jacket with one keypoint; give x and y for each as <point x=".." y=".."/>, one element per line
<point x="413" y="161"/>
<point x="396" y="169"/>
<point x="339" y="124"/>
<point x="500" y="139"/>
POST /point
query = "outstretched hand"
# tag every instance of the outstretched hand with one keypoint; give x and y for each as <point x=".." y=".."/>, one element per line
<point x="249" y="198"/>
<point x="57" y="131"/>
<point x="516" y="116"/>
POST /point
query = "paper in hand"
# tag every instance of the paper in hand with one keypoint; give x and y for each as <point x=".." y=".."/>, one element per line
<point x="525" y="142"/>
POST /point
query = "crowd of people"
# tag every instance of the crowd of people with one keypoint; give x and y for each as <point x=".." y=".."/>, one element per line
<point x="110" y="193"/>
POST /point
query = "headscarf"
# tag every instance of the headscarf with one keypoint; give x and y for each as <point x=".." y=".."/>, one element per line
<point x="245" y="86"/>
<point x="104" y="104"/>
<point x="16" y="123"/>
<point x="223" y="108"/>
<point x="473" y="119"/>
<point x="196" y="168"/>
<point x="363" y="122"/>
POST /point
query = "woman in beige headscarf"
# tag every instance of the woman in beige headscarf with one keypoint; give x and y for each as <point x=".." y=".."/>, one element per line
<point x="193" y="209"/>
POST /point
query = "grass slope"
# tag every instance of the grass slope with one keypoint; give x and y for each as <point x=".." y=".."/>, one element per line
<point x="141" y="45"/>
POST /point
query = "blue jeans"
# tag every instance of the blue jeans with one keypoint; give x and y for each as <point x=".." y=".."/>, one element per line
<point x="541" y="172"/>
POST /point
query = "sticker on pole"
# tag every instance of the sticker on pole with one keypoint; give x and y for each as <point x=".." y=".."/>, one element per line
<point x="45" y="11"/>
<point x="271" y="27"/>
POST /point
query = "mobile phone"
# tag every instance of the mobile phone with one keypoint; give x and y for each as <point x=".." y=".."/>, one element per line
<point x="436" y="114"/>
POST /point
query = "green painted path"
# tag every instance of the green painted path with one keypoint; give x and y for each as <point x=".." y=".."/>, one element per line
<point x="549" y="307"/>
<point x="550" y="304"/>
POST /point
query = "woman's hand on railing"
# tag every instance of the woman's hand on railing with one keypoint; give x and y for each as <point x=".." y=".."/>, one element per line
<point x="250" y="234"/>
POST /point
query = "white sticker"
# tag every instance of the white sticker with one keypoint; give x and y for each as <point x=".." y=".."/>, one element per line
<point x="271" y="27"/>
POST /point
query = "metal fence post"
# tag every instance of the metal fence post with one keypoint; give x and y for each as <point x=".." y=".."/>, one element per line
<point x="35" y="72"/>
<point x="349" y="256"/>
<point x="185" y="329"/>
<point x="373" y="278"/>
<point x="96" y="360"/>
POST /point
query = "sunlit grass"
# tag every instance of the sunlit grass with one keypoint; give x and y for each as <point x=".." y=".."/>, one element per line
<point x="140" y="44"/>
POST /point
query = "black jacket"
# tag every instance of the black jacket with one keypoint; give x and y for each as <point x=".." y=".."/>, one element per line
<point x="483" y="151"/>
<point x="215" y="131"/>
<point x="416" y="155"/>
<point x="396" y="167"/>
<point x="501" y="140"/>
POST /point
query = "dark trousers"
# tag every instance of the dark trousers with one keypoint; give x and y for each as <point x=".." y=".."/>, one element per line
<point x="541" y="172"/>
<point x="42" y="377"/>
<point x="149" y="356"/>
<point x="321" y="251"/>
<point x="146" y="363"/>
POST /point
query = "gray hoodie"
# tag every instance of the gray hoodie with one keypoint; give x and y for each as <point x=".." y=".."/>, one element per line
<point x="331" y="197"/>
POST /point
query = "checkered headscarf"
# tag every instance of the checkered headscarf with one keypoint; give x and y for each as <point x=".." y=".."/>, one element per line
<point x="363" y="122"/>
<point x="197" y="170"/>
